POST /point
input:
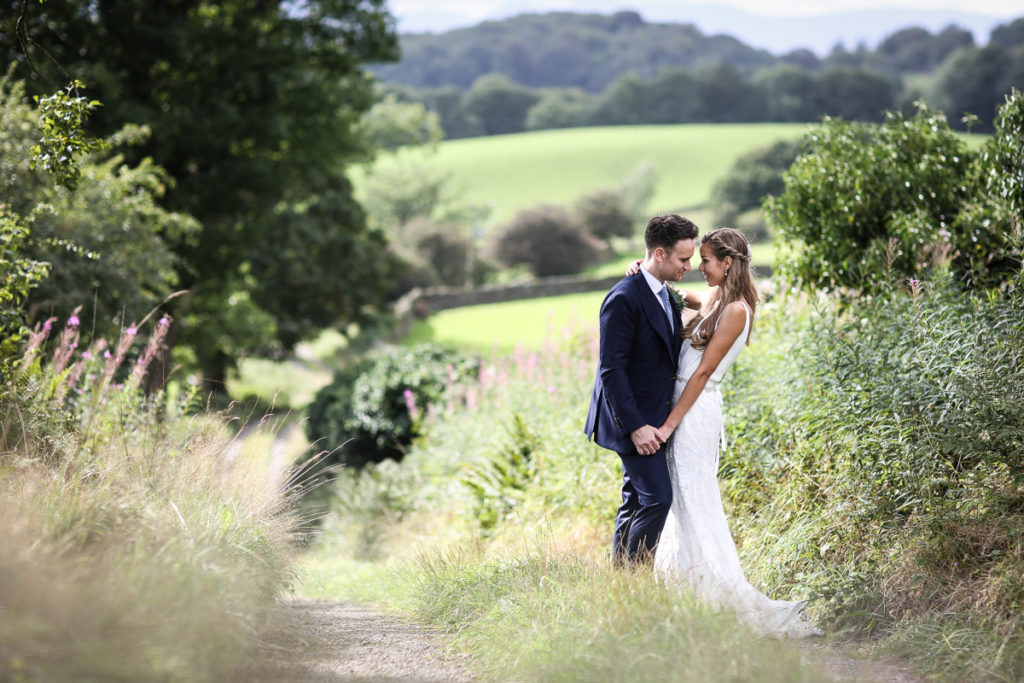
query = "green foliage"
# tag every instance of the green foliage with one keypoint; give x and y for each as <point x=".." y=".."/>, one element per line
<point x="107" y="241"/>
<point x="374" y="409"/>
<point x="499" y="483"/>
<point x="391" y="124"/>
<point x="64" y="140"/>
<point x="753" y="177"/>
<point x="253" y="112"/>
<point x="866" y="203"/>
<point x="863" y="201"/>
<point x="604" y="214"/>
<point x="499" y="104"/>
<point x="548" y="240"/>
<point x="20" y="275"/>
<point x="874" y="462"/>
<point x="562" y="49"/>
<point x="139" y="543"/>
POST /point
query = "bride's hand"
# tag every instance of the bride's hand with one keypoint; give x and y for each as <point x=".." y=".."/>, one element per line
<point x="634" y="267"/>
<point x="664" y="433"/>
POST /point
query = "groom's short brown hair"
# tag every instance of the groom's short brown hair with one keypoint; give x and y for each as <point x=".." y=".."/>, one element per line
<point x="665" y="231"/>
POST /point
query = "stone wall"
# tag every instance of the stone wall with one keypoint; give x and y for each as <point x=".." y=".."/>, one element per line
<point x="420" y="302"/>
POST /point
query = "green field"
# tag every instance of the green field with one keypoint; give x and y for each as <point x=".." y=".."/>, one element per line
<point x="500" y="328"/>
<point x="513" y="172"/>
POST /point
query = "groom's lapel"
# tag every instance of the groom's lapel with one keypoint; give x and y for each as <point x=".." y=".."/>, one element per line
<point x="651" y="307"/>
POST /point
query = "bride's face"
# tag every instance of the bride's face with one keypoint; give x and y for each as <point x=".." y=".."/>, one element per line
<point x="713" y="269"/>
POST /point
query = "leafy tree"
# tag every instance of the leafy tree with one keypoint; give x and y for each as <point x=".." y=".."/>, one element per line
<point x="499" y="104"/>
<point x="560" y="108"/>
<point x="604" y="215"/>
<point x="977" y="79"/>
<point x="674" y="97"/>
<point x="789" y="93"/>
<point x="916" y="49"/>
<point x="871" y="203"/>
<point x="252" y="107"/>
<point x="622" y="103"/>
<point x="753" y="177"/>
<point x="105" y="242"/>
<point x="20" y="274"/>
<point x="726" y="97"/>
<point x="853" y="94"/>
<point x="547" y="240"/>
<point x="1009" y="35"/>
<point x="391" y="124"/>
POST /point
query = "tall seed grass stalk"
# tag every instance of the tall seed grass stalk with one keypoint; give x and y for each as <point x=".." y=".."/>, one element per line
<point x="132" y="549"/>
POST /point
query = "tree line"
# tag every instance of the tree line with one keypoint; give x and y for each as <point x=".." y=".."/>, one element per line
<point x="229" y="126"/>
<point x="530" y="73"/>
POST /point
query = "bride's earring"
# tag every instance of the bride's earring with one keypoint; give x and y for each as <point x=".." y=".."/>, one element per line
<point x="727" y="272"/>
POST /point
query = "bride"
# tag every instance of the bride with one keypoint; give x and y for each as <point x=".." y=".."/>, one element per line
<point x="696" y="549"/>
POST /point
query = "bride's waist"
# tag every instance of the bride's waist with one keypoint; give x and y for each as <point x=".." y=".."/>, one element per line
<point x="711" y="386"/>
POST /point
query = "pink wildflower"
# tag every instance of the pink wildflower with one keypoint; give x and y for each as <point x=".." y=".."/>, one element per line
<point x="410" y="403"/>
<point x="132" y="331"/>
<point x="73" y="321"/>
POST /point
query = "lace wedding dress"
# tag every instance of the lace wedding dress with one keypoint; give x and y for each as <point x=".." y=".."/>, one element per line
<point x="696" y="549"/>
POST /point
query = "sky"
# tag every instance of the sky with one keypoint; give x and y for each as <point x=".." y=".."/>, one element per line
<point x="788" y="23"/>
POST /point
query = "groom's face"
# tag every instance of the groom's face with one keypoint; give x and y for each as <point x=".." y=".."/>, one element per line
<point x="674" y="262"/>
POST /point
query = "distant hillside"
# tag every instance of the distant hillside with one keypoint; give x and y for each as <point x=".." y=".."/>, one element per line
<point x="588" y="51"/>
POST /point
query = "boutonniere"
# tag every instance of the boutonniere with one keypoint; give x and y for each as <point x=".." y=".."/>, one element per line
<point x="676" y="297"/>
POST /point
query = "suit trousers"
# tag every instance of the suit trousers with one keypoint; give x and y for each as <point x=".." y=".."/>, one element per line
<point x="646" y="500"/>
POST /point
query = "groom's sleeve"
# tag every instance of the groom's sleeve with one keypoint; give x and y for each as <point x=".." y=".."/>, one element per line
<point x="618" y="325"/>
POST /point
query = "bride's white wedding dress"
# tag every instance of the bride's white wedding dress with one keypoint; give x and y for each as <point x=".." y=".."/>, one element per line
<point x="696" y="549"/>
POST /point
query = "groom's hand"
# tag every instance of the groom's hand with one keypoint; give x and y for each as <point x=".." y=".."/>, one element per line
<point x="647" y="440"/>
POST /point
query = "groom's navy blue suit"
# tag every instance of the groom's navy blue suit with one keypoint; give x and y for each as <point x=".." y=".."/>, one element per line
<point x="633" y="388"/>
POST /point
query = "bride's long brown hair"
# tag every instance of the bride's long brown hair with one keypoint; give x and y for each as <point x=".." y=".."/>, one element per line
<point x="737" y="285"/>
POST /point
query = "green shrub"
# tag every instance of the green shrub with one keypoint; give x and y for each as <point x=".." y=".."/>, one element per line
<point x="753" y="177"/>
<point x="875" y="462"/>
<point x="865" y="201"/>
<point x="604" y="215"/>
<point x="548" y="240"/>
<point x="373" y="409"/>
<point x="20" y="275"/>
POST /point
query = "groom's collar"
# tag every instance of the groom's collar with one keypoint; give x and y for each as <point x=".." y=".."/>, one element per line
<point x="654" y="283"/>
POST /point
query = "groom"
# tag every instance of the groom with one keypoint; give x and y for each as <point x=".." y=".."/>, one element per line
<point x="640" y="344"/>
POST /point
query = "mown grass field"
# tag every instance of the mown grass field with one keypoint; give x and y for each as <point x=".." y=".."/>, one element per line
<point x="497" y="329"/>
<point x="513" y="172"/>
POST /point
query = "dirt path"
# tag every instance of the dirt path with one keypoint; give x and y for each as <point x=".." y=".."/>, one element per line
<point x="845" y="663"/>
<point x="328" y="642"/>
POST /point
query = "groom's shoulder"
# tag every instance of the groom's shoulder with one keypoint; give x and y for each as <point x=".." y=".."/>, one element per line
<point x="622" y="292"/>
<point x="626" y="284"/>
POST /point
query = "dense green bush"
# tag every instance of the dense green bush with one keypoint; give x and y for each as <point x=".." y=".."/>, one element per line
<point x="865" y="202"/>
<point x="604" y="214"/>
<point x="548" y="240"/>
<point x="875" y="463"/>
<point x="373" y="409"/>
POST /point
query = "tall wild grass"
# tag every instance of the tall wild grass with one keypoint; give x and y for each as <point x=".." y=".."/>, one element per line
<point x="138" y="544"/>
<point x="876" y="463"/>
<point x="873" y="465"/>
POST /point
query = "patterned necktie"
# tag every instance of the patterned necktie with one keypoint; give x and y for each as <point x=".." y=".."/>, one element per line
<point x="663" y="294"/>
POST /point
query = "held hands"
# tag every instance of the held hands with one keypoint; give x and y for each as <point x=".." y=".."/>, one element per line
<point x="664" y="432"/>
<point x="647" y="440"/>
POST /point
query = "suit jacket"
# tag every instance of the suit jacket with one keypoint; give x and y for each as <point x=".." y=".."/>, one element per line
<point x="637" y="366"/>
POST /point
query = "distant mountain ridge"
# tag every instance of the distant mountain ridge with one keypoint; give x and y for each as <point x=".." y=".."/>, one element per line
<point x="590" y="51"/>
<point x="778" y="34"/>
